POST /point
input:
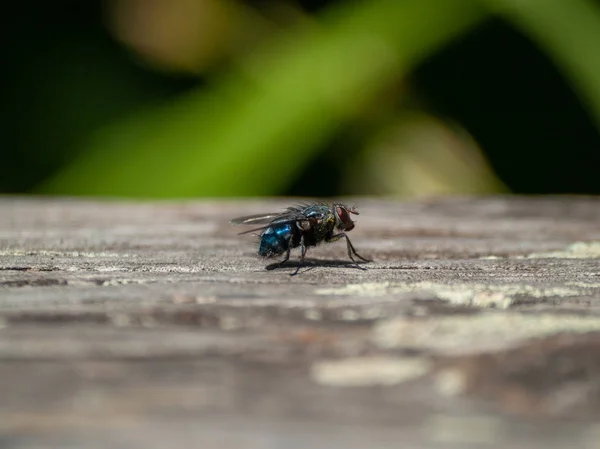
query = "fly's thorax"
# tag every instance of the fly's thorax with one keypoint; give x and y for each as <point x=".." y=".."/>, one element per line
<point x="322" y="219"/>
<point x="324" y="226"/>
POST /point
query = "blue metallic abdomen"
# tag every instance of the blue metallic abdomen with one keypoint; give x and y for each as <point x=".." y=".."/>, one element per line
<point x="275" y="240"/>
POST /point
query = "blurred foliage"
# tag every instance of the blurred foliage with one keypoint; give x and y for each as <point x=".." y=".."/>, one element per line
<point x="186" y="98"/>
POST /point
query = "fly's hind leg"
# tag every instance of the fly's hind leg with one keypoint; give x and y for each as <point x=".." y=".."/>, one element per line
<point x="351" y="251"/>
<point x="280" y="263"/>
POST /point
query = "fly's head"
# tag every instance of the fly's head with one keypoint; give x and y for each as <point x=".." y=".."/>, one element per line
<point x="343" y="222"/>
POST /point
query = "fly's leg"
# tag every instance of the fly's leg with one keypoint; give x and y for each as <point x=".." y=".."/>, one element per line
<point x="351" y="251"/>
<point x="301" y="264"/>
<point x="279" y="264"/>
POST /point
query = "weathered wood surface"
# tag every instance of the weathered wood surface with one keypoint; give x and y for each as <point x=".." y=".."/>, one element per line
<point x="153" y="325"/>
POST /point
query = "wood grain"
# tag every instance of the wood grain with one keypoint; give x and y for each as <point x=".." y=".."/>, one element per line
<point x="152" y="325"/>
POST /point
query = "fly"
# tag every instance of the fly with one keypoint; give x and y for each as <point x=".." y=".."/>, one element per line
<point x="301" y="226"/>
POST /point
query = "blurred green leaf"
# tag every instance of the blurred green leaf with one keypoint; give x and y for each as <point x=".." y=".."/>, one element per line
<point x="253" y="130"/>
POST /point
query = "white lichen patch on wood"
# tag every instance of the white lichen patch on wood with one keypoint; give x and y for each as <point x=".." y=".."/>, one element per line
<point x="369" y="371"/>
<point x="583" y="284"/>
<point x="578" y="250"/>
<point x="467" y="334"/>
<point x="70" y="254"/>
<point x="479" y="295"/>
<point x="471" y="430"/>
<point x="450" y="382"/>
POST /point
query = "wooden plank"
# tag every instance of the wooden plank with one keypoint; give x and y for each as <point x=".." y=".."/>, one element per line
<point x="152" y="324"/>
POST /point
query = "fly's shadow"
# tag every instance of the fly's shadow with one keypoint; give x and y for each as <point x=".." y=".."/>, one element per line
<point x="310" y="264"/>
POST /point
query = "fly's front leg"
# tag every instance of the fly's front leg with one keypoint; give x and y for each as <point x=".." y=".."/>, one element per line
<point x="303" y="253"/>
<point x="351" y="251"/>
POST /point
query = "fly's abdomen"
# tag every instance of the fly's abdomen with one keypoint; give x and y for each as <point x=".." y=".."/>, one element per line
<point x="275" y="240"/>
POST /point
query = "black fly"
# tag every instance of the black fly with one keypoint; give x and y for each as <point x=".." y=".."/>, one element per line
<point x="302" y="226"/>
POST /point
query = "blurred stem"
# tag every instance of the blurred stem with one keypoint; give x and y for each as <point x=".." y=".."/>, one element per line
<point x="253" y="130"/>
<point x="569" y="32"/>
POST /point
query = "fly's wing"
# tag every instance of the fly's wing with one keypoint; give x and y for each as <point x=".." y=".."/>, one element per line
<point x="289" y="216"/>
<point x="291" y="213"/>
<point x="264" y="219"/>
<point x="255" y="219"/>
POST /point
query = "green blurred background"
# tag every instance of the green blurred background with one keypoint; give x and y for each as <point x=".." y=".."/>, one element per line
<point x="197" y="98"/>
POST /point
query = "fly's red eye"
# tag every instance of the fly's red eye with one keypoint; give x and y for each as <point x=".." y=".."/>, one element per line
<point x="345" y="222"/>
<point x="342" y="214"/>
